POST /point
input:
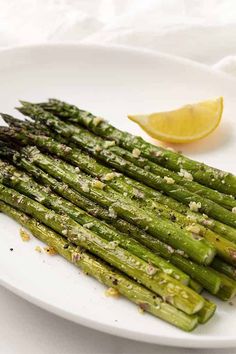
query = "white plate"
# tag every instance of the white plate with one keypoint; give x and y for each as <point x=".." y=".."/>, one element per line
<point x="110" y="82"/>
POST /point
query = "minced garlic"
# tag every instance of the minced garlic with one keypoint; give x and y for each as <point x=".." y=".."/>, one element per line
<point x="97" y="120"/>
<point x="185" y="174"/>
<point x="195" y="206"/>
<point x="158" y="153"/>
<point x="112" y="292"/>
<point x="24" y="235"/>
<point x="110" y="176"/>
<point x="136" y="152"/>
<point x="169" y="180"/>
<point x="109" y="143"/>
<point x="98" y="184"/>
<point x="193" y="228"/>
<point x="50" y="250"/>
<point x="38" y="249"/>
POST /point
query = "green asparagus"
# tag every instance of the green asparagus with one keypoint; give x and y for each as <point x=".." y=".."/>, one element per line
<point x="182" y="178"/>
<point x="197" y="272"/>
<point x="224" y="248"/>
<point x="105" y="151"/>
<point x="168" y="288"/>
<point x="146" y="196"/>
<point x="224" y="268"/>
<point x="104" y="273"/>
<point x="206" y="312"/>
<point x="14" y="178"/>
<point x="227" y="288"/>
<point x="206" y="175"/>
<point x="196" y="247"/>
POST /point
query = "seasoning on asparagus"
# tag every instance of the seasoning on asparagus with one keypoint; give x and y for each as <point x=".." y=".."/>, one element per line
<point x="214" y="178"/>
<point x="104" y="150"/>
<point x="104" y="273"/>
<point x="146" y="196"/>
<point x="209" y="280"/>
<point x="197" y="248"/>
<point x="224" y="248"/>
<point x="18" y="180"/>
<point x="168" y="288"/>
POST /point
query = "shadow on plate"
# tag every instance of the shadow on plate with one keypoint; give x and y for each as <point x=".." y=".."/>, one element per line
<point x="222" y="136"/>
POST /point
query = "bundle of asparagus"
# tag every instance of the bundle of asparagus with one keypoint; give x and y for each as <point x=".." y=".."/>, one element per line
<point x="149" y="222"/>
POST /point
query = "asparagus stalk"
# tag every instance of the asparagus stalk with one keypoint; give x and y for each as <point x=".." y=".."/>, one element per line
<point x="195" y="286"/>
<point x="214" y="178"/>
<point x="197" y="248"/>
<point x="227" y="288"/>
<point x="104" y="273"/>
<point x="105" y="152"/>
<point x="224" y="268"/>
<point x="224" y="248"/>
<point x="168" y="288"/>
<point x="150" y="198"/>
<point x="14" y="178"/>
<point x="206" y="312"/>
<point x="201" y="274"/>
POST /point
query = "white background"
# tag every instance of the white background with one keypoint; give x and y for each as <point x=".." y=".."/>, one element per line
<point x="204" y="31"/>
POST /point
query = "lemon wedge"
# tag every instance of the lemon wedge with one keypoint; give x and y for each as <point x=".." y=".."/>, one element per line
<point x="183" y="125"/>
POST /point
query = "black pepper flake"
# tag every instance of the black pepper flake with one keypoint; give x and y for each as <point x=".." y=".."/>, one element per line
<point x="144" y="306"/>
<point x="115" y="282"/>
<point x="231" y="303"/>
<point x="11" y="249"/>
<point x="66" y="246"/>
<point x="172" y="217"/>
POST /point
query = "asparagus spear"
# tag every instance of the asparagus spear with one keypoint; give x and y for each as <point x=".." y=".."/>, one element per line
<point x="201" y="274"/>
<point x="197" y="248"/>
<point x="14" y="178"/>
<point x="227" y="288"/>
<point x="206" y="312"/>
<point x="168" y="288"/>
<point x="201" y="173"/>
<point x="195" y="286"/>
<point x="224" y="248"/>
<point x="118" y="182"/>
<point x="104" y="151"/>
<point x="104" y="273"/>
<point x="224" y="268"/>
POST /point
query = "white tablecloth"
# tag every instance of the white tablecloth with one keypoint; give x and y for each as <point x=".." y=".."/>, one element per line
<point x="201" y="30"/>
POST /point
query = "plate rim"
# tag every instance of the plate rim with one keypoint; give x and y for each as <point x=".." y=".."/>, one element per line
<point x="208" y="342"/>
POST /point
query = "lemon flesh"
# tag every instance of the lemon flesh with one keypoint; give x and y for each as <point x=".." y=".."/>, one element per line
<point x="183" y="125"/>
